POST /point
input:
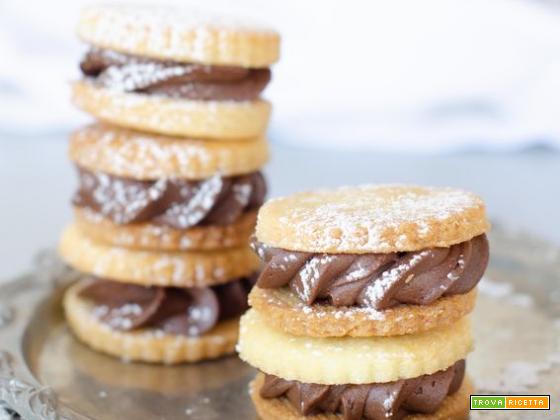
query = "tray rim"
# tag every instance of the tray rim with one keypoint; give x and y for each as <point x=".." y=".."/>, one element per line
<point x="20" y="391"/>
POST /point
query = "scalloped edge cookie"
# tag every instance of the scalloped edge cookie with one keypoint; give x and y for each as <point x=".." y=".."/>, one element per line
<point x="132" y="154"/>
<point x="153" y="268"/>
<point x="179" y="34"/>
<point x="455" y="406"/>
<point x="350" y="360"/>
<point x="372" y="218"/>
<point x="218" y="120"/>
<point x="146" y="345"/>
<point x="282" y="309"/>
<point x="147" y="236"/>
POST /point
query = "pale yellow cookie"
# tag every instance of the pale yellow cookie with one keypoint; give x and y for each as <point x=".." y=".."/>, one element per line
<point x="153" y="268"/>
<point x="350" y="360"/>
<point x="149" y="236"/>
<point x="218" y="120"/>
<point x="454" y="407"/>
<point x="132" y="154"/>
<point x="146" y="345"/>
<point x="372" y="218"/>
<point x="179" y="34"/>
<point x="282" y="309"/>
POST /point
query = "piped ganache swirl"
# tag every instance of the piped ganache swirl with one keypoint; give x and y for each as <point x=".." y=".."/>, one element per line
<point x="129" y="73"/>
<point x="182" y="311"/>
<point x="378" y="401"/>
<point x="379" y="281"/>
<point x="177" y="203"/>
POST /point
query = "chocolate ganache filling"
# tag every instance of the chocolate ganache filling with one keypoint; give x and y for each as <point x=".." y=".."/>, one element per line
<point x="183" y="311"/>
<point x="377" y="281"/>
<point x="129" y="73"/>
<point x="176" y="203"/>
<point x="378" y="401"/>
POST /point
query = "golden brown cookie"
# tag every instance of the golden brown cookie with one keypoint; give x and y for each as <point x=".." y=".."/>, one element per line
<point x="132" y="154"/>
<point x="282" y="309"/>
<point x="146" y="345"/>
<point x="454" y="407"/>
<point x="218" y="120"/>
<point x="372" y="219"/>
<point x="179" y="34"/>
<point x="149" y="236"/>
<point x="350" y="360"/>
<point x="153" y="268"/>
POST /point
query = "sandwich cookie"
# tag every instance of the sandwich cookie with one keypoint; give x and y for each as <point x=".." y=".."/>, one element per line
<point x="372" y="260"/>
<point x="175" y="72"/>
<point x="360" y="310"/>
<point x="153" y="192"/>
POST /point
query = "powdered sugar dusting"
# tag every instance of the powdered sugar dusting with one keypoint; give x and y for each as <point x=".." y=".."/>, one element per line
<point x="217" y="119"/>
<point x="388" y="403"/>
<point x="374" y="218"/>
<point x="147" y="156"/>
<point x="377" y="289"/>
<point x="199" y="205"/>
<point x="175" y="32"/>
<point x="310" y="274"/>
<point x="168" y="18"/>
<point x="137" y="76"/>
<point x="320" y="311"/>
<point x="181" y="269"/>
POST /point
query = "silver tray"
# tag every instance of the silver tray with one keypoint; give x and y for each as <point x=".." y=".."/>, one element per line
<point x="46" y="374"/>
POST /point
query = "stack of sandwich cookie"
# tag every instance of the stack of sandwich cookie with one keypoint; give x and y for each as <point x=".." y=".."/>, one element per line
<point x="162" y="222"/>
<point x="360" y="310"/>
<point x="175" y="72"/>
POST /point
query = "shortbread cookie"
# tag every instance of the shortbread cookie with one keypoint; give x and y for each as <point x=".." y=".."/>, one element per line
<point x="149" y="236"/>
<point x="181" y="35"/>
<point x="372" y="219"/>
<point x="146" y="345"/>
<point x="350" y="359"/>
<point x="132" y="154"/>
<point x="283" y="310"/>
<point x="454" y="406"/>
<point x="151" y="268"/>
<point x="219" y="120"/>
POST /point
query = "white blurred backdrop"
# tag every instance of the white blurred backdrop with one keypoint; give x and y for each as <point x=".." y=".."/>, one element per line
<point x="429" y="76"/>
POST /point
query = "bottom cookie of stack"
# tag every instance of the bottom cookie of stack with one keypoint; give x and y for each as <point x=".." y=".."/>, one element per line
<point x="418" y="376"/>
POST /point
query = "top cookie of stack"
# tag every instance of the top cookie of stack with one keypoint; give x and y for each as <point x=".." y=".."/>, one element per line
<point x="170" y="71"/>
